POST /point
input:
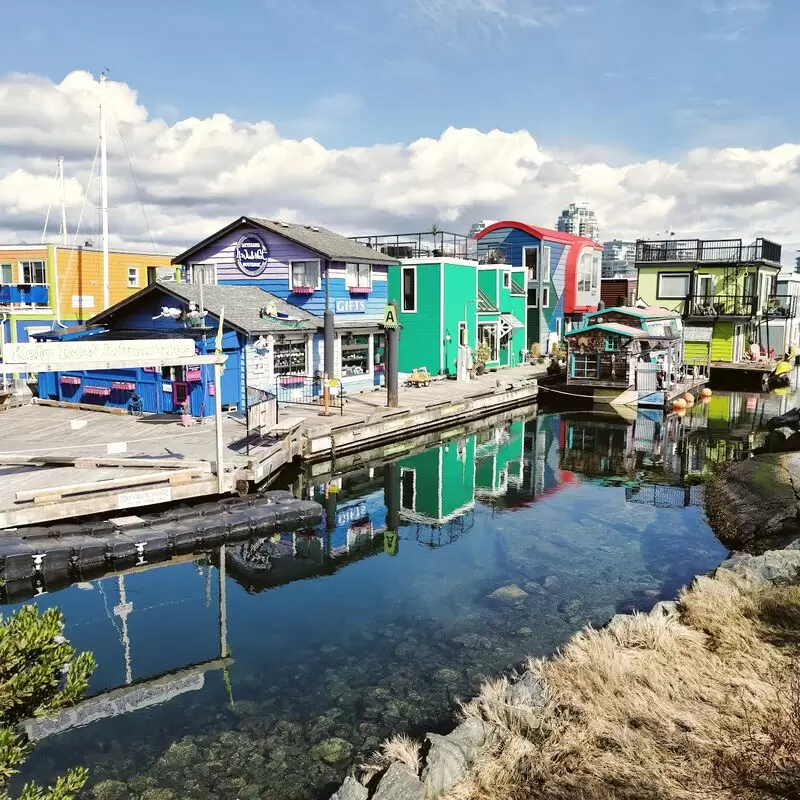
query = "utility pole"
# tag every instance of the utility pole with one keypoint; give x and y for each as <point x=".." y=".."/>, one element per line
<point x="328" y="367"/>
<point x="392" y="358"/>
<point x="104" y="190"/>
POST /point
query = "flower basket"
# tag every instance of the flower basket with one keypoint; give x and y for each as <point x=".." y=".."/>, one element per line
<point x="361" y="290"/>
<point x="303" y="290"/>
<point x="123" y="386"/>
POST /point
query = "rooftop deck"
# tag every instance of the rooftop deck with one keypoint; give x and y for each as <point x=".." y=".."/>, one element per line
<point x="707" y="251"/>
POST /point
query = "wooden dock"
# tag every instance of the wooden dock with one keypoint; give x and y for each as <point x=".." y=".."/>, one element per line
<point x="63" y="463"/>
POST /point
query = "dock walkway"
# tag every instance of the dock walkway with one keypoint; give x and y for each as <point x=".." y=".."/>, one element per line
<point x="60" y="463"/>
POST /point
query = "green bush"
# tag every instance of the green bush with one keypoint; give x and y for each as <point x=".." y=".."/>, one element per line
<point x="39" y="673"/>
<point x="483" y="354"/>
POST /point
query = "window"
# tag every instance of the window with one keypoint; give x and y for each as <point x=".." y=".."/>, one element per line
<point x="33" y="272"/>
<point x="165" y="274"/>
<point x="487" y="334"/>
<point x="533" y="297"/>
<point x="585" y="271"/>
<point x="289" y="358"/>
<point x="408" y="488"/>
<point x="359" y="276"/>
<point x="6" y="275"/>
<point x="203" y="273"/>
<point x="596" y="268"/>
<point x="559" y="328"/>
<point x="545" y="297"/>
<point x="305" y="274"/>
<point x="545" y="263"/>
<point x="133" y="277"/>
<point x="530" y="260"/>
<point x="673" y="285"/>
<point x="355" y="355"/>
<point x="584" y="366"/>
<point x="506" y="280"/>
<point x="409" y="288"/>
<point x="703" y="288"/>
<point x="612" y="344"/>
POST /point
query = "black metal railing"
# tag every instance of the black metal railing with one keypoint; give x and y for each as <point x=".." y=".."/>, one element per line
<point x="441" y="244"/>
<point x="733" y="251"/>
<point x="305" y="390"/>
<point x="780" y="306"/>
<point x="725" y="305"/>
<point x="489" y="253"/>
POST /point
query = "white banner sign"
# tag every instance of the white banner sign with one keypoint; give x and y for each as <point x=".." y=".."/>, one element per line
<point x="91" y="353"/>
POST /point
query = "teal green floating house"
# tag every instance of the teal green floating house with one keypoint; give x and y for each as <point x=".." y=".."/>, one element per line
<point x="446" y="297"/>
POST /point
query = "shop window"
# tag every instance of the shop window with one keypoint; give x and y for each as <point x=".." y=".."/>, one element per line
<point x="409" y="289"/>
<point x="355" y="355"/>
<point x="379" y="352"/>
<point x="305" y="275"/>
<point x="6" y="274"/>
<point x="289" y="358"/>
<point x="359" y="276"/>
<point x="133" y="277"/>
<point x="33" y="272"/>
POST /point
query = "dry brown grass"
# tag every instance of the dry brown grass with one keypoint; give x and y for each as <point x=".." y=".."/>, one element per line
<point x="649" y="707"/>
<point x="398" y="749"/>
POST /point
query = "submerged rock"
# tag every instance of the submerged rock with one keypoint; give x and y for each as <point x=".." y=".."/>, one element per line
<point x="399" y="783"/>
<point x="552" y="583"/>
<point x="509" y="593"/>
<point x="110" y="790"/>
<point x="333" y="750"/>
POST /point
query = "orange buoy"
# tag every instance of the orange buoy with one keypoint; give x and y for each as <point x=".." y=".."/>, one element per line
<point x="679" y="403"/>
<point x="705" y="392"/>
<point x="689" y="398"/>
<point x="680" y="412"/>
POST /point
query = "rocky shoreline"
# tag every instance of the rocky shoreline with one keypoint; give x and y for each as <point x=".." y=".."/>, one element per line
<point x="754" y="507"/>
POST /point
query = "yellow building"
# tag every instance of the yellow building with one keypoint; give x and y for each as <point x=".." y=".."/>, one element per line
<point x="49" y="286"/>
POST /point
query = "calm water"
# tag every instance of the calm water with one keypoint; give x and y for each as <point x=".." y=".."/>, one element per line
<point x="342" y="636"/>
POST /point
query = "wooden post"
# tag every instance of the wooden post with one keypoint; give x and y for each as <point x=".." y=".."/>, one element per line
<point x="218" y="427"/>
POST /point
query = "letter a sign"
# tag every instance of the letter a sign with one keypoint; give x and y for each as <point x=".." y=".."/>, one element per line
<point x="389" y="316"/>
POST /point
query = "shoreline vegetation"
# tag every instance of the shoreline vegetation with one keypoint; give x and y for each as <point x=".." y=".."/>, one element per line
<point x="700" y="698"/>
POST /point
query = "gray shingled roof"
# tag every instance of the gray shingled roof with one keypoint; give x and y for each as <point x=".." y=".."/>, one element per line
<point x="242" y="307"/>
<point x="327" y="243"/>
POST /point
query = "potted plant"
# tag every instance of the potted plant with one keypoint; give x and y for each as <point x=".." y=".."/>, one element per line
<point x="482" y="355"/>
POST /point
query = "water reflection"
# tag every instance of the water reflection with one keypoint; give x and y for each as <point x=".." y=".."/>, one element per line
<point x="265" y="668"/>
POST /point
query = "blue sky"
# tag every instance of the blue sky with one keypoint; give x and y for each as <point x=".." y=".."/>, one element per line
<point x="625" y="77"/>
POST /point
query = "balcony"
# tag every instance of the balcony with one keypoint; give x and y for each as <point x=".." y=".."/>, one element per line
<point x="781" y="306"/>
<point x="708" y="251"/>
<point x="23" y="295"/>
<point x="722" y="306"/>
<point x="423" y="245"/>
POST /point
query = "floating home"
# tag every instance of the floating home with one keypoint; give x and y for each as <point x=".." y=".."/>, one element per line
<point x="561" y="275"/>
<point x="448" y="296"/>
<point x="724" y="289"/>
<point x="269" y="284"/>
<point x="627" y="355"/>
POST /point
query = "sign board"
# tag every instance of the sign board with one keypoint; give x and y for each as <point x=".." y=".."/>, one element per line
<point x="344" y="516"/>
<point x="90" y="353"/>
<point x="251" y="255"/>
<point x="389" y="316"/>
<point x="350" y="306"/>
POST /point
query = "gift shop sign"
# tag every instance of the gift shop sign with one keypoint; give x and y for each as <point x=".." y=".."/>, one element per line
<point x="351" y="306"/>
<point x="251" y="255"/>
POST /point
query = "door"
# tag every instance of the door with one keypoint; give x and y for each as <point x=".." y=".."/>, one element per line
<point x="180" y="394"/>
<point x="738" y="344"/>
<point x="232" y="380"/>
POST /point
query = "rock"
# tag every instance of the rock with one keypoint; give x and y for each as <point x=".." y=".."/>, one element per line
<point x="399" y="783"/>
<point x="333" y="750"/>
<point x="525" y="631"/>
<point x="158" y="794"/>
<point x="534" y="588"/>
<point x="527" y="691"/>
<point x="779" y="567"/>
<point x="451" y="756"/>
<point x="110" y="790"/>
<point x="351" y="789"/>
<point x="552" y="583"/>
<point x="182" y="754"/>
<point x="666" y="608"/>
<point x="447" y="675"/>
<point x="509" y="593"/>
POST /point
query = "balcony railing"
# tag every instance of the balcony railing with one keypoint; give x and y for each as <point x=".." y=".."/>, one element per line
<point x="781" y="306"/>
<point x="732" y="251"/>
<point x="726" y="305"/>
<point x="423" y="245"/>
<point x="23" y="294"/>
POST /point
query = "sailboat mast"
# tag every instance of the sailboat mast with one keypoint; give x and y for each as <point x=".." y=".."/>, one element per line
<point x="104" y="190"/>
<point x="64" y="235"/>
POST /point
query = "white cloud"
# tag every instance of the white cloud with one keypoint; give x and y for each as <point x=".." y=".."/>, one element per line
<point x="196" y="175"/>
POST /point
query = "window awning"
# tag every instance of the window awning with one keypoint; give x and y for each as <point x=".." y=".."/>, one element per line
<point x="511" y="321"/>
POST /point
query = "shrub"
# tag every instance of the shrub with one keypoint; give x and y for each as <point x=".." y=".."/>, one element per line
<point x="39" y="673"/>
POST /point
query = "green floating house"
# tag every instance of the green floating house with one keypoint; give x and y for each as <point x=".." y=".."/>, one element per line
<point x="724" y="289"/>
<point x="446" y="297"/>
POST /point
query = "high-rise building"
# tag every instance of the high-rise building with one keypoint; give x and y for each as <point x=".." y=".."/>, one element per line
<point x="619" y="259"/>
<point x="580" y="220"/>
<point x="480" y="225"/>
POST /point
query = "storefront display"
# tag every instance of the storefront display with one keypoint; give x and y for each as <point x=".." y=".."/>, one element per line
<point x="355" y="355"/>
<point x="290" y="358"/>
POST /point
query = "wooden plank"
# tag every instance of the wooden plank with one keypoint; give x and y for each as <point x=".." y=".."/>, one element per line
<point x="101" y="486"/>
<point x="90" y="462"/>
